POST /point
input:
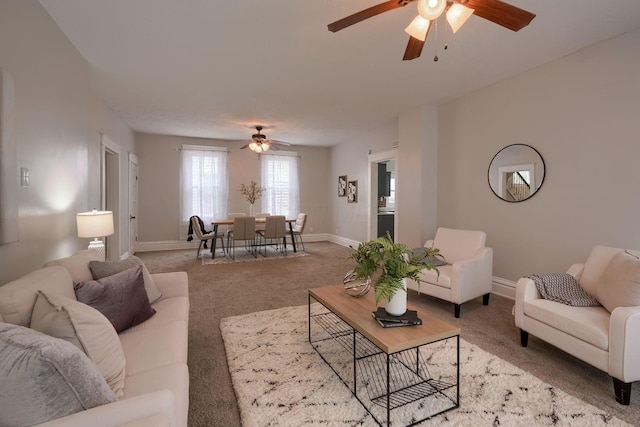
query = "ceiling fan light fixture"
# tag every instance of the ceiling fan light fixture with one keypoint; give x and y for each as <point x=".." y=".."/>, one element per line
<point x="418" y="28"/>
<point x="265" y="146"/>
<point x="253" y="146"/>
<point x="457" y="15"/>
<point x="431" y="9"/>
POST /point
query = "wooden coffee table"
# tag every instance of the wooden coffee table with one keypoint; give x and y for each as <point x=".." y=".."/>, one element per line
<point x="386" y="369"/>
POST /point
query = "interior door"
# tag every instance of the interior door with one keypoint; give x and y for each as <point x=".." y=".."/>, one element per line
<point x="133" y="203"/>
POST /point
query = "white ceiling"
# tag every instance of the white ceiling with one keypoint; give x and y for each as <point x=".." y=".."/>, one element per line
<point x="215" y="69"/>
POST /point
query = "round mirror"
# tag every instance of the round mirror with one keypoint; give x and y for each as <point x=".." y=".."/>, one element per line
<point x="516" y="173"/>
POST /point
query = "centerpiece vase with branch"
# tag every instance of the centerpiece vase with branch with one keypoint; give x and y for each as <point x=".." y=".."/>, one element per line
<point x="393" y="263"/>
<point x="251" y="192"/>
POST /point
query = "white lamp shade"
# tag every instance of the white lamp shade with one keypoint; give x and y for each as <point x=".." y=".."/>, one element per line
<point x="431" y="9"/>
<point x="418" y="28"/>
<point x="457" y="15"/>
<point x="95" y="223"/>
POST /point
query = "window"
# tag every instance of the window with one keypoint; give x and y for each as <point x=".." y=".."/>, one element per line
<point x="204" y="184"/>
<point x="280" y="179"/>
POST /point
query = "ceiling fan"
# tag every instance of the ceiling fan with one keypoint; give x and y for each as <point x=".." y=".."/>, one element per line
<point x="456" y="11"/>
<point x="259" y="142"/>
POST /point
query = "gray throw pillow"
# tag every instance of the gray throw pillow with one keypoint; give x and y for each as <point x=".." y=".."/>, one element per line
<point x="44" y="378"/>
<point x="102" y="269"/>
<point x="121" y="298"/>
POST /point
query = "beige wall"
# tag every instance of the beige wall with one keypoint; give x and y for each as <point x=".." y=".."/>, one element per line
<point x="58" y="121"/>
<point x="349" y="220"/>
<point x="159" y="177"/>
<point x="581" y="114"/>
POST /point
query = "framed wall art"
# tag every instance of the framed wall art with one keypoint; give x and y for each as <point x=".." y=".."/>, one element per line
<point x="352" y="191"/>
<point x="342" y="186"/>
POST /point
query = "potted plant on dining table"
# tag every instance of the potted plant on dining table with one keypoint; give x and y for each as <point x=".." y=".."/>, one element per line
<point x="251" y="192"/>
<point x="393" y="263"/>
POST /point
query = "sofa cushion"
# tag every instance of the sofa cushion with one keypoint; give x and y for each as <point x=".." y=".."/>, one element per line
<point x="590" y="324"/>
<point x="121" y="298"/>
<point x="78" y="264"/>
<point x="102" y="269"/>
<point x="87" y="329"/>
<point x="18" y="297"/>
<point x="619" y="285"/>
<point x="456" y="245"/>
<point x="168" y="310"/>
<point x="174" y="377"/>
<point x="152" y="348"/>
<point x="440" y="277"/>
<point x="44" y="378"/>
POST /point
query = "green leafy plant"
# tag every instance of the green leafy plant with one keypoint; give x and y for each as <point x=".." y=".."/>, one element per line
<point x="392" y="262"/>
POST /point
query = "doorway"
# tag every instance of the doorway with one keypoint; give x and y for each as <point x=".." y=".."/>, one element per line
<point x="380" y="216"/>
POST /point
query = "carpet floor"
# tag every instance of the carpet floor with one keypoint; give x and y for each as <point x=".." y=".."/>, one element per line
<point x="243" y="255"/>
<point x="234" y="289"/>
<point x="280" y="380"/>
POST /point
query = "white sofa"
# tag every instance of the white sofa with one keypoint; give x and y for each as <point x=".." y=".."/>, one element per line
<point x="468" y="271"/>
<point x="156" y="381"/>
<point x="608" y="340"/>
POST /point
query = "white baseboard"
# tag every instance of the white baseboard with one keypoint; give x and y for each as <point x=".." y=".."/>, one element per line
<point x="504" y="287"/>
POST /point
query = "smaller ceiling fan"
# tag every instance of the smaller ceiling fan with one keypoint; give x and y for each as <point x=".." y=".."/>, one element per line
<point x="259" y="142"/>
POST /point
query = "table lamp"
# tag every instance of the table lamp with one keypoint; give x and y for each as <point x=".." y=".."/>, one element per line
<point x="95" y="224"/>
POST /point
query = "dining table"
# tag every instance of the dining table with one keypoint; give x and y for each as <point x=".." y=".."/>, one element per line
<point x="229" y="221"/>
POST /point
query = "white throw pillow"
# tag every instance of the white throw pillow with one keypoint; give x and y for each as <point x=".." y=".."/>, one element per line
<point x="86" y="328"/>
<point x="619" y="285"/>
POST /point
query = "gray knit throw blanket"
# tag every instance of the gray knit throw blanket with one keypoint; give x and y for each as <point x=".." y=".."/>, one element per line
<point x="563" y="288"/>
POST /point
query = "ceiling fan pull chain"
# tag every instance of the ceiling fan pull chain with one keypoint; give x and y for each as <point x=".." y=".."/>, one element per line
<point x="435" y="57"/>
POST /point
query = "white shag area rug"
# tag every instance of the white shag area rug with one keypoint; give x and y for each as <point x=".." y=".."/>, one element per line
<point x="242" y="255"/>
<point x="280" y="380"/>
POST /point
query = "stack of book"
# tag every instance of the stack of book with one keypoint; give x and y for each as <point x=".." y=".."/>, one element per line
<point x="409" y="318"/>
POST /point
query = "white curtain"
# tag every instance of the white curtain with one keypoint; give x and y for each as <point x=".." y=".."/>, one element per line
<point x="280" y="178"/>
<point x="204" y="185"/>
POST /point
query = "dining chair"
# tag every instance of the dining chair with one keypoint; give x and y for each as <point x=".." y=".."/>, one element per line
<point x="298" y="228"/>
<point x="260" y="218"/>
<point x="274" y="231"/>
<point x="230" y="217"/>
<point x="197" y="227"/>
<point x="244" y="229"/>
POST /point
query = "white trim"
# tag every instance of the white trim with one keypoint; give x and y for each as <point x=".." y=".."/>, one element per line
<point x="202" y="148"/>
<point x="503" y="287"/>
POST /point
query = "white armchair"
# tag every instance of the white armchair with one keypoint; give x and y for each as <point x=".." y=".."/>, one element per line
<point x="468" y="272"/>
<point x="607" y="340"/>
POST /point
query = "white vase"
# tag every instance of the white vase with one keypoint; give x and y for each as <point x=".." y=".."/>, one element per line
<point x="397" y="305"/>
<point x="251" y="210"/>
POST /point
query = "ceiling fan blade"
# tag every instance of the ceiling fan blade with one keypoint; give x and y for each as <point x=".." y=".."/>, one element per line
<point x="501" y="13"/>
<point x="366" y="14"/>
<point x="245" y="146"/>
<point x="414" y="49"/>
<point x="273" y="141"/>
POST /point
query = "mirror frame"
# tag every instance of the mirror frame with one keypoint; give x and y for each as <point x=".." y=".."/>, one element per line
<point x="519" y="167"/>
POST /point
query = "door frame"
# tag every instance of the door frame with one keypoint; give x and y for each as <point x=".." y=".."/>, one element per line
<point x="372" y="217"/>
<point x="133" y="204"/>
<point x="110" y="191"/>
